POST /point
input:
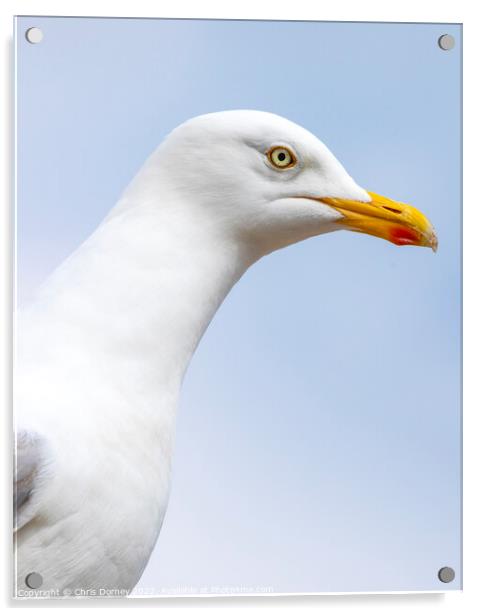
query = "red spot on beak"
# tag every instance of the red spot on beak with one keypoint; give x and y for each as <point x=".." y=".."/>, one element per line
<point x="403" y="236"/>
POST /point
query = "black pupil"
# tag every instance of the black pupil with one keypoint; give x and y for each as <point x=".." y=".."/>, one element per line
<point x="281" y="156"/>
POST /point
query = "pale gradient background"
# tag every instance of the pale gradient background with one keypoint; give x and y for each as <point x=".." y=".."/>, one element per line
<point x="318" y="441"/>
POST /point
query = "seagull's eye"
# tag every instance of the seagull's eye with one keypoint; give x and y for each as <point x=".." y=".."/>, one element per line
<point x="281" y="157"/>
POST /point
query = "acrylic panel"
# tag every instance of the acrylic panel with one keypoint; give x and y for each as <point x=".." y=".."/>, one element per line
<point x="316" y="445"/>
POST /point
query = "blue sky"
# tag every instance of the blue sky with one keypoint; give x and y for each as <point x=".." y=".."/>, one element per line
<point x="318" y="440"/>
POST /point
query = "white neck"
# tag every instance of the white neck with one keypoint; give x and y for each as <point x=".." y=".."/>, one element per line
<point x="145" y="286"/>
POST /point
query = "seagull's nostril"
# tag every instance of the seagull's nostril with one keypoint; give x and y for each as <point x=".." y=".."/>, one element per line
<point x="391" y="209"/>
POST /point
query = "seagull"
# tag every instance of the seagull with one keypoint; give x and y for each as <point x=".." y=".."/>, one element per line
<point x="102" y="350"/>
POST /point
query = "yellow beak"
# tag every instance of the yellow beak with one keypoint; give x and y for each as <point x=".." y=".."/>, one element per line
<point x="396" y="222"/>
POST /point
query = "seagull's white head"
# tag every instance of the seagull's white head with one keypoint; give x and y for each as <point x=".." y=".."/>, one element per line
<point x="269" y="182"/>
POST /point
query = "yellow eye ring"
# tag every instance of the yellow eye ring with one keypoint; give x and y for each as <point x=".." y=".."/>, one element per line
<point x="281" y="157"/>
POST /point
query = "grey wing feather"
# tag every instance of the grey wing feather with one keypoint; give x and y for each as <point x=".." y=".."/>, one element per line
<point x="31" y="471"/>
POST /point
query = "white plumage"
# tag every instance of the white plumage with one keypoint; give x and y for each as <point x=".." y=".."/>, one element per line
<point x="101" y="352"/>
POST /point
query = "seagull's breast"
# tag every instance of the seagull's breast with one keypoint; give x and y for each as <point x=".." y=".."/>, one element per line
<point x="100" y="515"/>
<point x="103" y="507"/>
